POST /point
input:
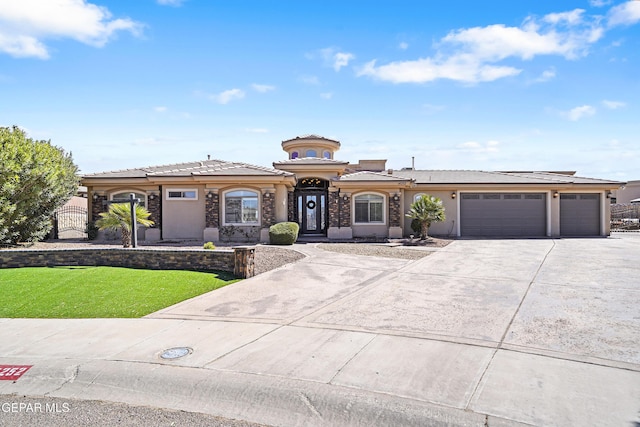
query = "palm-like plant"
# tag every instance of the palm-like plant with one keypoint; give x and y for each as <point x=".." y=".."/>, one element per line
<point x="426" y="209"/>
<point x="118" y="217"/>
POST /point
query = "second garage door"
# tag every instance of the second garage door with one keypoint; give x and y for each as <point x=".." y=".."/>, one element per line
<point x="503" y="214"/>
<point x="579" y="214"/>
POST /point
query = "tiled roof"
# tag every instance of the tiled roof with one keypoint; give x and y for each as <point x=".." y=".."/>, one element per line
<point x="371" y="176"/>
<point x="484" y="177"/>
<point x="311" y="136"/>
<point x="201" y="168"/>
<point x="310" y="161"/>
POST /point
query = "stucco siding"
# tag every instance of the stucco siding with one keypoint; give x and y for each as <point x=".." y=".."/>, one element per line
<point x="183" y="219"/>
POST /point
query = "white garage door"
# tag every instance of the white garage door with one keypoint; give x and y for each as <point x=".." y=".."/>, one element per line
<point x="503" y="214"/>
<point x="580" y="214"/>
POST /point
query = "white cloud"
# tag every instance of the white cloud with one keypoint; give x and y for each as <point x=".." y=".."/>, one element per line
<point x="460" y="68"/>
<point x="613" y="105"/>
<point x="227" y="96"/>
<point x="310" y="80"/>
<point x="25" y="24"/>
<point x="403" y="46"/>
<point x="627" y="13"/>
<point x="580" y="112"/>
<point x="599" y="3"/>
<point x="160" y="109"/>
<point x="174" y="3"/>
<point x="333" y="58"/>
<point x="472" y="55"/>
<point x="546" y="75"/>
<point x="262" y="88"/>
<point x="326" y="95"/>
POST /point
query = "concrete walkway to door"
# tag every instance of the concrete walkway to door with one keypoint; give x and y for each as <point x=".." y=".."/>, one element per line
<point x="482" y="332"/>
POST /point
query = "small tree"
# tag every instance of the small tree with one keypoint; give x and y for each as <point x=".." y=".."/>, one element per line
<point x="118" y="217"/>
<point x="426" y="209"/>
<point x="36" y="178"/>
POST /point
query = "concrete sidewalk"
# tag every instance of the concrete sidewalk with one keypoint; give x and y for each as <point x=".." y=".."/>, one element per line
<point x="481" y="332"/>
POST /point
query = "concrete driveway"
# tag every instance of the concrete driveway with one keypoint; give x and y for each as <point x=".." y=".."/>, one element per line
<point x="481" y="332"/>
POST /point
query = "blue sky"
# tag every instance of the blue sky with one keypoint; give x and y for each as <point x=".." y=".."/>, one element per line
<point x="495" y="85"/>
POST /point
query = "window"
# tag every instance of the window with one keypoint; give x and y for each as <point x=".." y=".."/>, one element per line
<point x="294" y="155"/>
<point x="241" y="207"/>
<point x="127" y="194"/>
<point x="182" y="194"/>
<point x="311" y="153"/>
<point x="369" y="208"/>
<point x="326" y="155"/>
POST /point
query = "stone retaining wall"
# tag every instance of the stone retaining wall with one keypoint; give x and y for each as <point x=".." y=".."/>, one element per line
<point x="153" y="259"/>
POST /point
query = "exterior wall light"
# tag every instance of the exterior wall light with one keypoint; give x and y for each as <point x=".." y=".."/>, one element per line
<point x="209" y="195"/>
<point x="609" y="194"/>
<point x="453" y="195"/>
<point x="95" y="196"/>
<point x="396" y="198"/>
<point x="555" y="194"/>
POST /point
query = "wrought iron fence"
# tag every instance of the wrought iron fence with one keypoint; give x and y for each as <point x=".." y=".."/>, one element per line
<point x="625" y="217"/>
<point x="70" y="222"/>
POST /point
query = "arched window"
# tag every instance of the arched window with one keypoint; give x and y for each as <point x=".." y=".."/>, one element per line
<point x="326" y="155"/>
<point x="241" y="207"/>
<point x="311" y="153"/>
<point x="369" y="208"/>
<point x="126" y="194"/>
<point x="294" y="155"/>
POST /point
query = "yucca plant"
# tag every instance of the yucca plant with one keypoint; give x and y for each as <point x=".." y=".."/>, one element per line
<point x="118" y="217"/>
<point x="426" y="209"/>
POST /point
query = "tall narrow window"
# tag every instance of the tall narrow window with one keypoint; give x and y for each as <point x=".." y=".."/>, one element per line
<point x="369" y="208"/>
<point x="241" y="207"/>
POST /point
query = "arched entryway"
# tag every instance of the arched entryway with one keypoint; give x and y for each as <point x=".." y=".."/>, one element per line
<point x="311" y="206"/>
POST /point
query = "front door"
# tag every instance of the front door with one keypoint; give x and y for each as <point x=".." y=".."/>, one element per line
<point x="312" y="211"/>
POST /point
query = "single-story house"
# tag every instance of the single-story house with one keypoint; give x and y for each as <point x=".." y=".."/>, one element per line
<point x="215" y="200"/>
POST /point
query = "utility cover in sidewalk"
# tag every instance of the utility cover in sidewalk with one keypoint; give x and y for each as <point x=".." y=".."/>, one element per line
<point x="13" y="372"/>
<point x="175" y="353"/>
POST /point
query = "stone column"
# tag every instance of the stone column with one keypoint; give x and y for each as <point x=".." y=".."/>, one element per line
<point x="268" y="213"/>
<point x="395" y="216"/>
<point x="244" y="261"/>
<point x="154" y="206"/>
<point x="212" y="216"/>
<point x="97" y="205"/>
<point x="339" y="215"/>
<point x="291" y="206"/>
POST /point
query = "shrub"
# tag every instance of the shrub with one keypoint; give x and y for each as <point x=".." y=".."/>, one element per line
<point x="283" y="233"/>
<point x="209" y="245"/>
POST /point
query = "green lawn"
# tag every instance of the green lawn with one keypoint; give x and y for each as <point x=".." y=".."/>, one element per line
<point x="98" y="292"/>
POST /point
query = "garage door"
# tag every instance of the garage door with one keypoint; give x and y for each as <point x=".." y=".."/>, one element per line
<point x="579" y="214"/>
<point x="503" y="214"/>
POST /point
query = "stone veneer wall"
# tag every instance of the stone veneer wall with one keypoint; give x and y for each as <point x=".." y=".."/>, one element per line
<point x="291" y="206"/>
<point x="153" y="259"/>
<point x="154" y="206"/>
<point x="268" y="210"/>
<point x="395" y="214"/>
<point x="339" y="210"/>
<point x="334" y="212"/>
<point x="97" y="206"/>
<point x="213" y="210"/>
<point x="345" y="214"/>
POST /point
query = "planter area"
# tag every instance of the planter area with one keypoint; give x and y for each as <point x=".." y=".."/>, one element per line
<point x="240" y="260"/>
